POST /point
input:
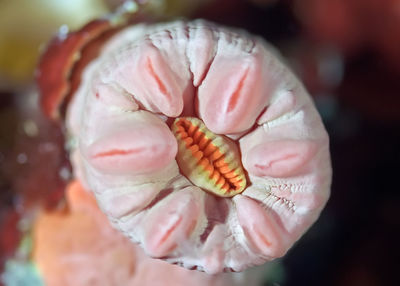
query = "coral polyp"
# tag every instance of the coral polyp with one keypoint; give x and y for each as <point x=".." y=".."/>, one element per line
<point x="208" y="160"/>
<point x="198" y="143"/>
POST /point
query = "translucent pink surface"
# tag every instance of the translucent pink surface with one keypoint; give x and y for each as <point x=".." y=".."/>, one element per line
<point x="124" y="151"/>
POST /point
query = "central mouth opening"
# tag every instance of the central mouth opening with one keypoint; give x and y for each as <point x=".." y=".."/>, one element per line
<point x="210" y="161"/>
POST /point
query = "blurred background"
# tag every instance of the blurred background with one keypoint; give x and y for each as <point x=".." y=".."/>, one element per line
<point x="347" y="53"/>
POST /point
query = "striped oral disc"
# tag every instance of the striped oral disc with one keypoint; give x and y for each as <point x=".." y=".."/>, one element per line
<point x="209" y="161"/>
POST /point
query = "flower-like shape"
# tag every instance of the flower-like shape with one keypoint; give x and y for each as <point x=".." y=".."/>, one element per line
<point x="152" y="83"/>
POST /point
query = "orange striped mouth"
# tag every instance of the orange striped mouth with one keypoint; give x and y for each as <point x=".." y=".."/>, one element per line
<point x="209" y="161"/>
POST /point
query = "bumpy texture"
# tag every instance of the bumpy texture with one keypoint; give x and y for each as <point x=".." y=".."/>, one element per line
<point x="124" y="150"/>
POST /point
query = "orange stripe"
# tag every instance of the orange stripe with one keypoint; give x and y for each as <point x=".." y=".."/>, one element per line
<point x="262" y="237"/>
<point x="236" y="94"/>
<point x="161" y="85"/>
<point x="169" y="231"/>
<point x="116" y="152"/>
<point x="207" y="155"/>
<point x="231" y="175"/>
<point x="203" y="142"/>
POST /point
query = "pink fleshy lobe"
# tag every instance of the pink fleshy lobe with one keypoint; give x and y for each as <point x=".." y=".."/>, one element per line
<point x="137" y="149"/>
<point x="154" y="81"/>
<point x="148" y="71"/>
<point x="236" y="79"/>
<point x="120" y="119"/>
<point x="214" y="254"/>
<point x="127" y="201"/>
<point x="171" y="222"/>
<point x="259" y="227"/>
<point x="280" y="158"/>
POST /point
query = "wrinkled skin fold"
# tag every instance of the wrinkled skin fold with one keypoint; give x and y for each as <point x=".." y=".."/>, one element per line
<point x="124" y="151"/>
